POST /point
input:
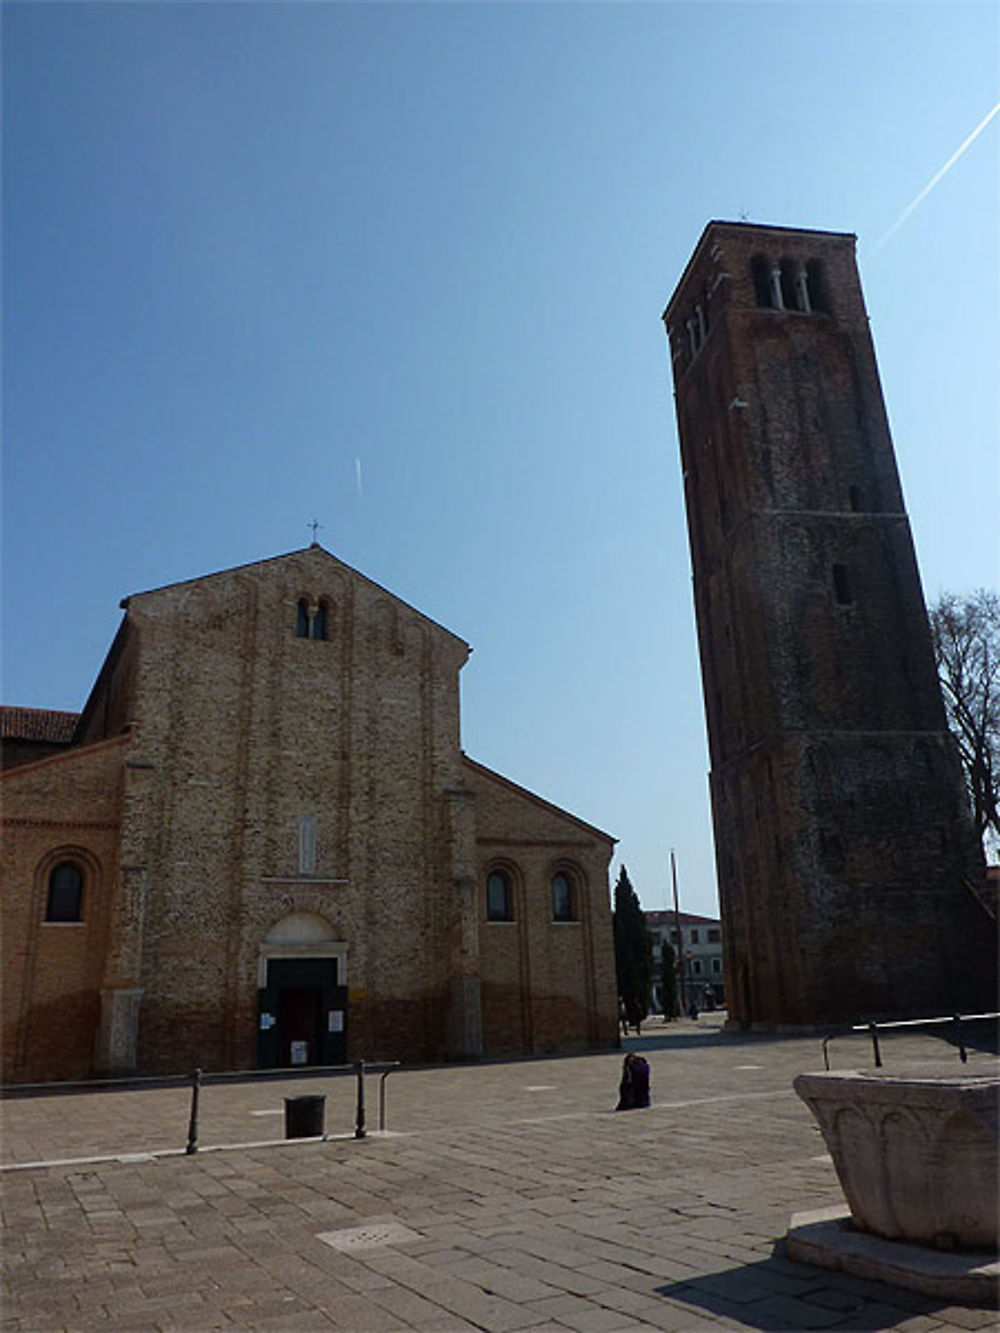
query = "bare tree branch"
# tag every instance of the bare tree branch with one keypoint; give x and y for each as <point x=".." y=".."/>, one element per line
<point x="966" y="634"/>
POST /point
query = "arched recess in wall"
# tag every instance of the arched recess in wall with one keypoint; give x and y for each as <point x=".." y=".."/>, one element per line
<point x="92" y="912"/>
<point x="507" y="938"/>
<point x="583" y="921"/>
<point x="510" y="872"/>
<point x="302" y="935"/>
<point x="567" y="892"/>
<point x="93" y="877"/>
<point x="387" y="630"/>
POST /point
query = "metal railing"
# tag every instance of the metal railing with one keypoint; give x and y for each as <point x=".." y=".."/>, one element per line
<point x="873" y="1029"/>
<point x="202" y="1078"/>
<point x="359" y="1069"/>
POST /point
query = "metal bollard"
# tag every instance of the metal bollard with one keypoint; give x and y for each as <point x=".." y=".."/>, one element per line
<point x="359" y="1124"/>
<point x="877" y="1053"/>
<point x="963" y="1054"/>
<point x="381" y="1100"/>
<point x="192" y="1143"/>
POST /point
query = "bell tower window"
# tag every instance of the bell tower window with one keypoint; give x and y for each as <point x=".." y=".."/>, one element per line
<point x="789" y="295"/>
<point x="760" y="271"/>
<point x="311" y="620"/>
<point x="842" y="586"/>
<point x="816" y="286"/>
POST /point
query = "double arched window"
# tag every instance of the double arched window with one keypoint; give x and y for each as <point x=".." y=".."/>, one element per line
<point x="311" y="621"/>
<point x="64" y="899"/>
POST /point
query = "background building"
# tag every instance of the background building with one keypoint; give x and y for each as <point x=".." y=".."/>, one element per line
<point x="261" y="844"/>
<point x="699" y="952"/>
<point x="843" y="845"/>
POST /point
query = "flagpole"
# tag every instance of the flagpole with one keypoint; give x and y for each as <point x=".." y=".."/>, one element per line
<point x="680" y="937"/>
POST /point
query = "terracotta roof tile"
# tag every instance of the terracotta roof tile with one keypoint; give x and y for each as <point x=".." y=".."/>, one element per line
<point x="37" y="724"/>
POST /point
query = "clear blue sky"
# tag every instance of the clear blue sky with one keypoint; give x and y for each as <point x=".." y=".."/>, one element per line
<point x="401" y="268"/>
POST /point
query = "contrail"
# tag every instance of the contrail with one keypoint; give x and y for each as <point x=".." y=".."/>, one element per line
<point x="919" y="199"/>
<point x="357" y="474"/>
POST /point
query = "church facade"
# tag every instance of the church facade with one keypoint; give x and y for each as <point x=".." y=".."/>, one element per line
<point x="260" y="844"/>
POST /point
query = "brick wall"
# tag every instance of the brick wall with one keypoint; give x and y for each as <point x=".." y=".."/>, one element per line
<point x="238" y="731"/>
<point x="547" y="985"/>
<point x="64" y="809"/>
<point x="839" y="817"/>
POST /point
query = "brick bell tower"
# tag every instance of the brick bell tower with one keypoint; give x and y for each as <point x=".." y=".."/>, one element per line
<point x="842" y="837"/>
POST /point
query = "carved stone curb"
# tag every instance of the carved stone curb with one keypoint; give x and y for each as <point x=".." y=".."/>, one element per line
<point x="828" y="1239"/>
<point x="916" y="1151"/>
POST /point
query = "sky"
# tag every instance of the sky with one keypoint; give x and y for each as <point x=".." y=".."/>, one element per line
<point x="400" y="269"/>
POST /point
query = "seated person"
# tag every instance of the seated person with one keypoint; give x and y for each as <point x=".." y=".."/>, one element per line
<point x="633" y="1091"/>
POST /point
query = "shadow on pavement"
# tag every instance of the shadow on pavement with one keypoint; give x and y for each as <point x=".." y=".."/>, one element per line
<point x="689" y="1038"/>
<point x="790" y="1297"/>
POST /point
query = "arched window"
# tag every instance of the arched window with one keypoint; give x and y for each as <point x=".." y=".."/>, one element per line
<point x="563" y="906"/>
<point x="816" y="285"/>
<point x="760" y="271"/>
<point x="499" y="899"/>
<point x="302" y="619"/>
<point x="789" y="295"/>
<point x="319" y="622"/>
<point x="65" y="896"/>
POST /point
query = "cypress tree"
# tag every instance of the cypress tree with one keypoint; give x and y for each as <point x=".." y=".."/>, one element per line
<point x="633" y="950"/>
<point x="668" y="980"/>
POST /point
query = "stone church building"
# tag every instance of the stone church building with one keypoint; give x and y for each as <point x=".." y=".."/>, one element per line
<point x="260" y="844"/>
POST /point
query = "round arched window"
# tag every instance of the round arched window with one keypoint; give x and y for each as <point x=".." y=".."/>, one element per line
<point x="499" y="900"/>
<point x="760" y="271"/>
<point x="65" y="896"/>
<point x="563" y="907"/>
<point x="319" y="621"/>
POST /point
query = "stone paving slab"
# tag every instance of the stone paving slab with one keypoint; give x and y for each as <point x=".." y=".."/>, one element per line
<point x="510" y="1198"/>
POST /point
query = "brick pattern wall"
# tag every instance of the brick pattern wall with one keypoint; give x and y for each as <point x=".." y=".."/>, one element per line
<point x="237" y="731"/>
<point x="66" y="808"/>
<point x="547" y="985"/>
<point x="248" y="728"/>
<point x="839" y="817"/>
<point x="13" y="753"/>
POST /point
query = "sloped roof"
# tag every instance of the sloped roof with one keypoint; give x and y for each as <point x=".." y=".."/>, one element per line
<point x="721" y="224"/>
<point x="687" y="919"/>
<point x="314" y="549"/>
<point x="540" y="801"/>
<point x="37" y="724"/>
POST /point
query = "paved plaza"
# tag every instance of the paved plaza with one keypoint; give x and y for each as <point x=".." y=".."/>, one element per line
<point x="503" y="1197"/>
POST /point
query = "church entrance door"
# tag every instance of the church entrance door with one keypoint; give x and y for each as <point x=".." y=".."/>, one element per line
<point x="302" y="1014"/>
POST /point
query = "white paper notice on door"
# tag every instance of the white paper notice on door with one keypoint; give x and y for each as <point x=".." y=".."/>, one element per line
<point x="335" y="1020"/>
<point x="300" y="1052"/>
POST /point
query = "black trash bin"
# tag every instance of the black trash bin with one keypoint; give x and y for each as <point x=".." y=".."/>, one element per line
<point x="304" y="1117"/>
